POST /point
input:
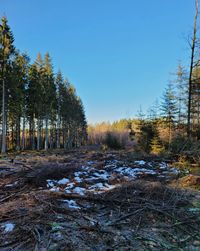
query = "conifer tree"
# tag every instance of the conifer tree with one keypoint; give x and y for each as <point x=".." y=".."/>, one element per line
<point x="34" y="103"/>
<point x="16" y="102"/>
<point x="59" y="87"/>
<point x="6" y="51"/>
<point x="156" y="145"/>
<point x="49" y="97"/>
<point x="169" y="110"/>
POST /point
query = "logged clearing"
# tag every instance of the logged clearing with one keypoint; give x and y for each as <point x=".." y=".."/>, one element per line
<point x="93" y="200"/>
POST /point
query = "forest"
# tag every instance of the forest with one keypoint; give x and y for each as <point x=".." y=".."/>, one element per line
<point x="40" y="109"/>
<point x="69" y="184"/>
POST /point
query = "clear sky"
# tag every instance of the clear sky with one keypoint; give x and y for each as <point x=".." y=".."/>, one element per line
<point x="119" y="54"/>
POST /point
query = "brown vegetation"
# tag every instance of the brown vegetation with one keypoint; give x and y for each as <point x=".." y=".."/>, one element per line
<point x="143" y="215"/>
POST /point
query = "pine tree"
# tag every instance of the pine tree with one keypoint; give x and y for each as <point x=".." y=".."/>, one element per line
<point x="59" y="87"/>
<point x="49" y="97"/>
<point x="34" y="98"/>
<point x="31" y="96"/>
<point x="181" y="95"/>
<point x="16" y="102"/>
<point x="6" y="51"/>
<point x="169" y="110"/>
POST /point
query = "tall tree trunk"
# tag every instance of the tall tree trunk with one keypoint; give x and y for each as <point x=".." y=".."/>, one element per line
<point x="193" y="46"/>
<point x="46" y="134"/>
<point x="18" y="133"/>
<point x="23" y="133"/>
<point x="38" y="134"/>
<point x="58" y="133"/>
<point x="51" y="137"/>
<point x="3" y="147"/>
<point x="33" y="133"/>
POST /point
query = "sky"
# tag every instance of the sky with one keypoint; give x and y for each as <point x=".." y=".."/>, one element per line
<point x="119" y="54"/>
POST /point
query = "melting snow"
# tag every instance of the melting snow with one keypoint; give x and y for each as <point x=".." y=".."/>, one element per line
<point x="140" y="162"/>
<point x="50" y="183"/>
<point x="97" y="186"/>
<point x="100" y="187"/>
<point x="71" y="204"/>
<point x="63" y="181"/>
<point x="79" y="190"/>
<point x="70" y="185"/>
<point x="98" y="180"/>
<point x="78" y="179"/>
<point x="8" y="227"/>
<point x="55" y="189"/>
<point x="12" y="185"/>
<point x="163" y="165"/>
<point x="128" y="171"/>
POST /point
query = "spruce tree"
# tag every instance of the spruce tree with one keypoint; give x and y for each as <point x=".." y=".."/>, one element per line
<point x="169" y="110"/>
<point x="49" y="97"/>
<point x="6" y="51"/>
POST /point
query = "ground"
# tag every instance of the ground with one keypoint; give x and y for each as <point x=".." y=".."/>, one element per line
<point x="88" y="199"/>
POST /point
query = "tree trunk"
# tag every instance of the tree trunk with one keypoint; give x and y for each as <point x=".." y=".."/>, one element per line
<point x="193" y="46"/>
<point x="46" y="134"/>
<point x="33" y="134"/>
<point x="18" y="133"/>
<point x="38" y="134"/>
<point x="23" y="134"/>
<point x="3" y="147"/>
<point x="58" y="134"/>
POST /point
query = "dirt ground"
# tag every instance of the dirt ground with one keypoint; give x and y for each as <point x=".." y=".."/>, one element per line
<point x="91" y="200"/>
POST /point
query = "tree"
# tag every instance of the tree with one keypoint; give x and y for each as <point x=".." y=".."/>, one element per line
<point x="181" y="94"/>
<point x="49" y="95"/>
<point x="6" y="51"/>
<point x="37" y="110"/>
<point x="59" y="87"/>
<point x="169" y="110"/>
<point x="16" y="102"/>
<point x="156" y="145"/>
<point x="35" y="100"/>
<point x="193" y="64"/>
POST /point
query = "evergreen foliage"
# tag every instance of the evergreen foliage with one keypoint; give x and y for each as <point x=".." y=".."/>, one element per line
<point x="40" y="110"/>
<point x="156" y="145"/>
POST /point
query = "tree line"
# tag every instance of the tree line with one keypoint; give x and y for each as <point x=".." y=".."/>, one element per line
<point x="40" y="109"/>
<point x="164" y="127"/>
<point x="173" y="122"/>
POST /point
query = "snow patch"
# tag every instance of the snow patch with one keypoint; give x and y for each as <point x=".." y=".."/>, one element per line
<point x="63" y="181"/>
<point x="71" y="204"/>
<point x="79" y="190"/>
<point x="97" y="180"/>
<point x="55" y="189"/>
<point x="78" y="179"/>
<point x="163" y="165"/>
<point x="12" y="185"/>
<point x="140" y="162"/>
<point x="8" y="227"/>
<point x="50" y="183"/>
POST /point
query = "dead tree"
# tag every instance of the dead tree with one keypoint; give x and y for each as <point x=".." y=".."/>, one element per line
<point x="192" y="66"/>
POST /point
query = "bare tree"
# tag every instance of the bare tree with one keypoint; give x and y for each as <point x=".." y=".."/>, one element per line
<point x="192" y="66"/>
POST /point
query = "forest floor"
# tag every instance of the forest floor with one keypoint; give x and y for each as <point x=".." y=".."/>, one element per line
<point x="87" y="199"/>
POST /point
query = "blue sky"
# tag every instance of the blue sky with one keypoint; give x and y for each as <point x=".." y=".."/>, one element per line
<point x="119" y="54"/>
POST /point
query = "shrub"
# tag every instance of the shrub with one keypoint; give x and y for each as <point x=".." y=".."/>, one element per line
<point x="113" y="141"/>
<point x="180" y="143"/>
<point x="156" y="146"/>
